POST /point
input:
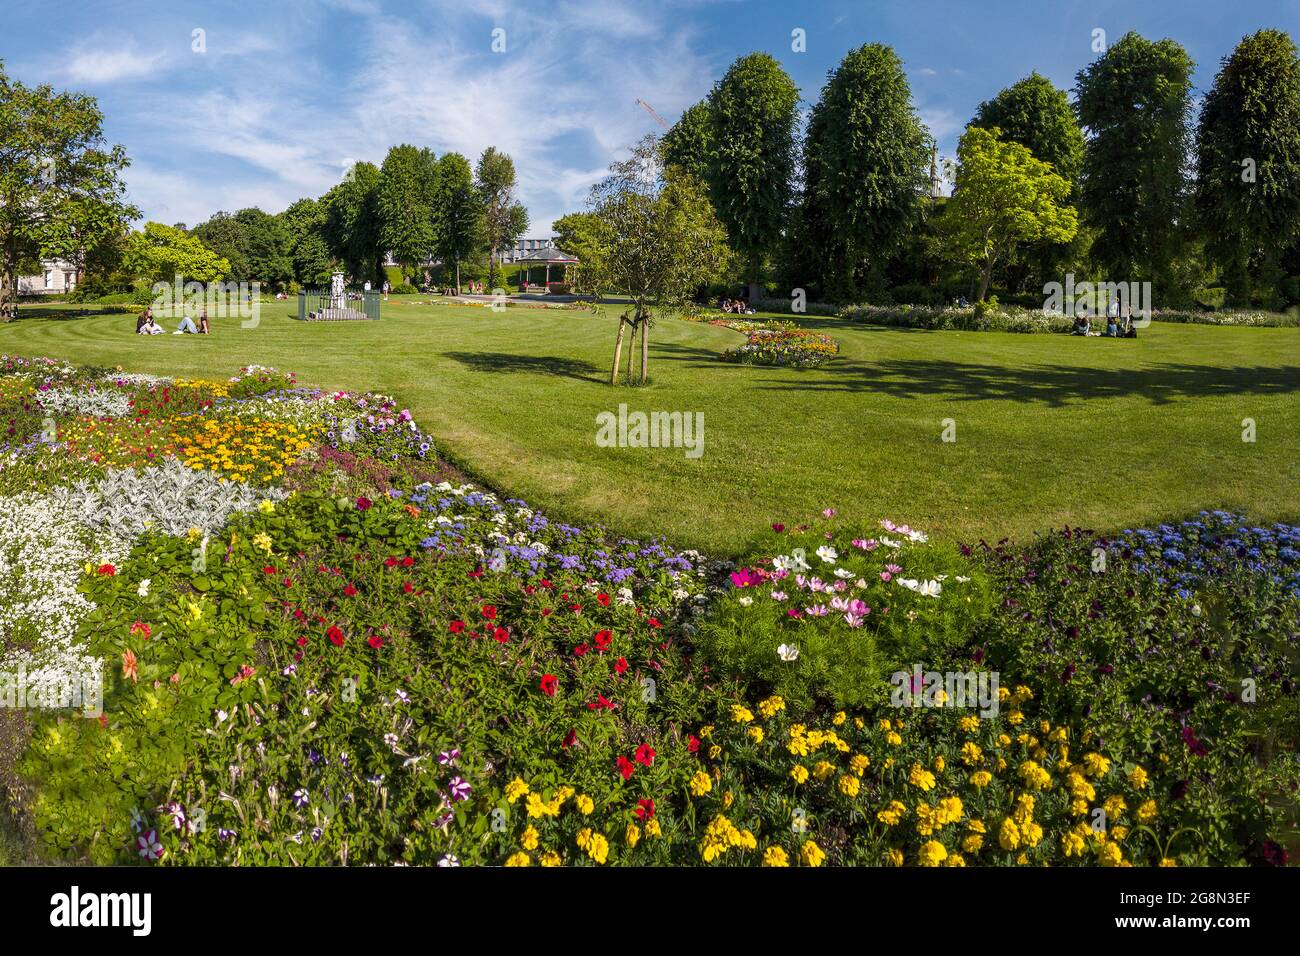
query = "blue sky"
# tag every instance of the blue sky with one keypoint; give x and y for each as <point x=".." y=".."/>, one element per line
<point x="286" y="95"/>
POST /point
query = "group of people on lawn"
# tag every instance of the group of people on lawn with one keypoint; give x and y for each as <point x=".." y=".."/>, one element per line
<point x="145" y="324"/>
<point x="1116" y="327"/>
<point x="736" y="306"/>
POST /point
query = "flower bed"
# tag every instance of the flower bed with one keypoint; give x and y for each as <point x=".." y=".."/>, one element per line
<point x="778" y="343"/>
<point x="353" y="658"/>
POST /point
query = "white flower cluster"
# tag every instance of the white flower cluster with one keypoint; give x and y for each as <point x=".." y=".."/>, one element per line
<point x="96" y="403"/>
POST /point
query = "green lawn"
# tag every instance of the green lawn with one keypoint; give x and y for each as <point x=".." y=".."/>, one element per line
<point x="1050" y="429"/>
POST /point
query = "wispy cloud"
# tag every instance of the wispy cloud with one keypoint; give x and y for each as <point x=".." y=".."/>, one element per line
<point x="100" y="61"/>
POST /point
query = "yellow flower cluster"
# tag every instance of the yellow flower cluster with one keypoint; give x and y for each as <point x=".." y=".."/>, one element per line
<point x="722" y="835"/>
<point x="241" y="450"/>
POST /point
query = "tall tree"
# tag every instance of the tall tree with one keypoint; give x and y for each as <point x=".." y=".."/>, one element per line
<point x="504" y="219"/>
<point x="753" y="110"/>
<point x="353" y="226"/>
<point x="60" y="184"/>
<point x="1248" y="160"/>
<point x="460" y="213"/>
<point x="304" y="226"/>
<point x="224" y="235"/>
<point x="407" y="200"/>
<point x="161" y="253"/>
<point x="866" y="160"/>
<point x="1003" y="196"/>
<point x="579" y="234"/>
<point x="1038" y="116"/>
<point x="659" y="240"/>
<point x="1135" y="103"/>
<point x="689" y="144"/>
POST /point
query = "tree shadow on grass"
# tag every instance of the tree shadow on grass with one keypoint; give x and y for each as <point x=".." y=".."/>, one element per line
<point x="61" y="315"/>
<point x="1052" y="385"/>
<point x="504" y="362"/>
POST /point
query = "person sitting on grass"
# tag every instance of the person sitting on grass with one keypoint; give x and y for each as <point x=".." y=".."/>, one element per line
<point x="187" y="327"/>
<point x="1112" y="326"/>
<point x="150" y="327"/>
<point x="1081" y="325"/>
<point x="204" y="328"/>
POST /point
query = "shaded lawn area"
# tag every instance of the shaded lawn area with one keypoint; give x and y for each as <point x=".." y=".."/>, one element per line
<point x="1050" y="429"/>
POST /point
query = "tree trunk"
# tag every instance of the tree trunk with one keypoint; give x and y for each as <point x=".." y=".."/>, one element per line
<point x="645" y="348"/>
<point x="631" y="347"/>
<point x="8" y="289"/>
<point x="986" y="276"/>
<point x="458" y="277"/>
<point x="618" y="349"/>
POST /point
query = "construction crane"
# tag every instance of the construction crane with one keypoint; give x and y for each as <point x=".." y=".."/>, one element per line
<point x="651" y="110"/>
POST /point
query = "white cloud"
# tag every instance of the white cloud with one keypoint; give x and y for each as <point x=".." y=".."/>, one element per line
<point x="109" y="62"/>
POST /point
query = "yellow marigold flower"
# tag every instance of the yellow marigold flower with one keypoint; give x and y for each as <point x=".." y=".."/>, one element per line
<point x="748" y="840"/>
<point x="859" y="723"/>
<point x="889" y="763"/>
<point x="549" y="858"/>
<point x="771" y="707"/>
<point x="585" y="804"/>
<point x="920" y="777"/>
<point x="939" y="764"/>
<point x="598" y="847"/>
<point x="266" y="506"/>
<point x="885" y="724"/>
<point x="1009" y="834"/>
<point x="1023" y="693"/>
<point x="1147" y="811"/>
<point x="823" y="769"/>
<point x="972" y="843"/>
<point x="563" y="793"/>
<point x="633" y="834"/>
<point x="1137" y="778"/>
<point x="1031" y="833"/>
<point x="1095" y="765"/>
<point x="262" y="541"/>
<point x="898" y="723"/>
<point x="950" y="810"/>
<point x="1109" y="854"/>
<point x="811" y="854"/>
<point x="892" y="813"/>
<point x="839" y="718"/>
<point x="954" y="859"/>
<point x="1078" y="807"/>
<point x="1166" y="861"/>
<point x="1034" y="776"/>
<point x="859" y="763"/>
<point x="1015" y="718"/>
<point x="969" y="724"/>
<point x="1044" y="726"/>
<point x="1073" y="843"/>
<point x="1001" y="765"/>
<point x="893" y="739"/>
<point x="1114" y="806"/>
<point x="756" y="734"/>
<point x="584" y="838"/>
<point x="981" y="779"/>
<point x="529" y="838"/>
<point x="1119" y="832"/>
<point x="653" y="829"/>
<point x="1004" y="740"/>
<point x="706" y="731"/>
<point x="775" y="856"/>
<point x="518" y="859"/>
<point x="537" y="807"/>
<point x="741" y="714"/>
<point x="799" y="772"/>
<point x="1003" y="694"/>
<point x="727" y="799"/>
<point x="515" y="789"/>
<point x="849" y="785"/>
<point x="715" y="752"/>
<point x="1024" y="809"/>
<point x="700" y="784"/>
<point x="932" y="853"/>
<point x="971" y="753"/>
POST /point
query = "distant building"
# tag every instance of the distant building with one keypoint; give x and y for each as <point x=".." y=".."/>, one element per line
<point x="525" y="247"/>
<point x="57" y="278"/>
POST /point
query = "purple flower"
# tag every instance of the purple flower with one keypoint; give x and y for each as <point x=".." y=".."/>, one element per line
<point x="300" y="797"/>
<point x="460" y="788"/>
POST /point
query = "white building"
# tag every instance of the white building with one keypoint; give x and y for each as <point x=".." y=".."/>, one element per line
<point x="525" y="247"/>
<point x="57" y="278"/>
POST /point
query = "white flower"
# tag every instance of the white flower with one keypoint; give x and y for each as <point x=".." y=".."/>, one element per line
<point x="787" y="652"/>
<point x="827" y="553"/>
<point x="930" y="588"/>
<point x="143" y="589"/>
<point x="890" y="542"/>
<point x="843" y="573"/>
<point x="746" y="601"/>
<point x="221" y="716"/>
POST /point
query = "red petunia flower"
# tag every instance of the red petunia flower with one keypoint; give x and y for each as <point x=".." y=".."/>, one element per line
<point x="408" y="587"/>
<point x="654" y="622"/>
<point x="390" y="562"/>
<point x="603" y="598"/>
<point x="778" y="527"/>
<point x="501" y="635"/>
<point x="269" y="569"/>
<point x="408" y="561"/>
<point x="600" y="703"/>
<point x="302" y="642"/>
<point x="335" y="635"/>
<point x="626" y="767"/>
<point x="645" y="755"/>
<point x="603" y="639"/>
<point x="550" y="684"/>
<point x="580" y="650"/>
<point x="363" y="504"/>
<point x="375" y="641"/>
<point x="645" y="809"/>
<point x="693" y="743"/>
<point x="570" y="739"/>
<point x="140" y="627"/>
<point x="490" y="611"/>
<point x="107" y="570"/>
<point x="620" y="665"/>
<point x="350" y="591"/>
<point x="456" y="626"/>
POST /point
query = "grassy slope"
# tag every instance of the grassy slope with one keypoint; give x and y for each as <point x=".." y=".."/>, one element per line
<point x="1050" y="429"/>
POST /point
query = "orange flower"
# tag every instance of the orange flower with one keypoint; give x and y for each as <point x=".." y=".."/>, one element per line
<point x="129" y="666"/>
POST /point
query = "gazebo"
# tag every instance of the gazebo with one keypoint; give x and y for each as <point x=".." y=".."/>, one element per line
<point x="547" y="257"/>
